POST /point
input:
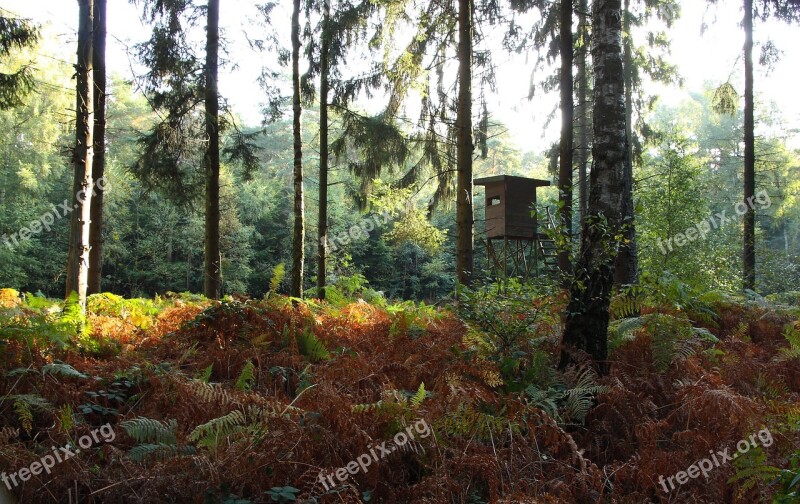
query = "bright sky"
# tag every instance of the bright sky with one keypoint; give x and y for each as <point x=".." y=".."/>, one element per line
<point x="712" y="56"/>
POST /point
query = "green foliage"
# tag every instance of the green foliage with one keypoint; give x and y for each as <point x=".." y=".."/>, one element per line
<point x="311" y="347"/>
<point x="726" y="99"/>
<point x="278" y="275"/>
<point x="147" y="430"/>
<point x="283" y="494"/>
<point x="792" y="335"/>
<point x="789" y="480"/>
<point x="212" y="432"/>
<point x="246" y="377"/>
<point x="752" y="470"/>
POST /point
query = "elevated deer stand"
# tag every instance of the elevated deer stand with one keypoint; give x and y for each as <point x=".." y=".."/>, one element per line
<point x="513" y="242"/>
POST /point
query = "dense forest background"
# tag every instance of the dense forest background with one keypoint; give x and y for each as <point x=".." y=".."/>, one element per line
<point x="690" y="170"/>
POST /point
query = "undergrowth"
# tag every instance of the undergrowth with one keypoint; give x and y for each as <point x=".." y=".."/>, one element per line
<point x="251" y="401"/>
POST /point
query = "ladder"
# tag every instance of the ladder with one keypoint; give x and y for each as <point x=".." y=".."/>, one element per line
<point x="547" y="246"/>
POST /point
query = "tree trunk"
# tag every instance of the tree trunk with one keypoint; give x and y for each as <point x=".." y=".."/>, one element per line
<point x="749" y="152"/>
<point x="464" y="147"/>
<point x="583" y="111"/>
<point x="298" y="243"/>
<point x="586" y="326"/>
<point x="99" y="162"/>
<point x="78" y="257"/>
<point x="565" y="149"/>
<point x="627" y="262"/>
<point x="212" y="264"/>
<point x="322" y="225"/>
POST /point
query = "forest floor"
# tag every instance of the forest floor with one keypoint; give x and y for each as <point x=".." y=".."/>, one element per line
<point x="180" y="399"/>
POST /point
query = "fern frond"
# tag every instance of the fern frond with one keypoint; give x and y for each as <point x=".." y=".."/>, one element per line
<point x="147" y="430"/>
<point x="246" y="377"/>
<point x="158" y="452"/>
<point x="209" y="433"/>
<point x="63" y="369"/>
<point x="416" y="399"/>
<point x="209" y="392"/>
<point x="311" y="347"/>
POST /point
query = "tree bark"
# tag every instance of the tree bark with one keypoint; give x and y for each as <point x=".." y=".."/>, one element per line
<point x="565" y="149"/>
<point x="749" y="275"/>
<point x="322" y="225"/>
<point x="586" y="326"/>
<point x="627" y="262"/>
<point x="298" y="248"/>
<point x="99" y="162"/>
<point x="78" y="257"/>
<point x="583" y="111"/>
<point x="212" y="264"/>
<point x="464" y="148"/>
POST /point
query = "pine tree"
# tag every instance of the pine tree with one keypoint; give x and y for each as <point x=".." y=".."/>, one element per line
<point x="78" y="257"/>
<point x="15" y="33"/>
<point x="99" y="162"/>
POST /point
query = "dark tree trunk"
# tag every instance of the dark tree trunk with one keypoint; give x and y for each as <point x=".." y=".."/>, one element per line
<point x="565" y="150"/>
<point x="583" y="111"/>
<point x="298" y="243"/>
<point x="464" y="147"/>
<point x="322" y="225"/>
<point x="627" y="262"/>
<point x="749" y="152"/>
<point x="212" y="265"/>
<point x="587" y="313"/>
<point x="78" y="257"/>
<point x="99" y="163"/>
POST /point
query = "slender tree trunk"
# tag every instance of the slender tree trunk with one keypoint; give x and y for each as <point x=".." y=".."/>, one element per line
<point x="583" y="110"/>
<point x="78" y="257"/>
<point x="565" y="149"/>
<point x="586" y="326"/>
<point x="464" y="148"/>
<point x="322" y="225"/>
<point x="99" y="163"/>
<point x="749" y="152"/>
<point x="298" y="248"/>
<point x="212" y="264"/>
<point x="627" y="262"/>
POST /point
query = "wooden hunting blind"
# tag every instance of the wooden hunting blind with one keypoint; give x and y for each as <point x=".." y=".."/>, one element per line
<point x="510" y="217"/>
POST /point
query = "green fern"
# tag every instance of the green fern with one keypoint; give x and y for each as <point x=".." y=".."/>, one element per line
<point x="210" y="433"/>
<point x="752" y="470"/>
<point x="147" y="430"/>
<point x="63" y="369"/>
<point x="246" y="377"/>
<point x="24" y="414"/>
<point x="158" y="452"/>
<point x="416" y="399"/>
<point x="278" y="274"/>
<point x="580" y="398"/>
<point x="792" y="335"/>
<point x="311" y="347"/>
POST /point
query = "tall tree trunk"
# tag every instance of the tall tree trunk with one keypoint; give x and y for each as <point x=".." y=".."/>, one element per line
<point x="587" y="313"/>
<point x="322" y="225"/>
<point x="99" y="162"/>
<point x="298" y="243"/>
<point x="464" y="148"/>
<point x="583" y="110"/>
<point x="78" y="257"/>
<point x="212" y="264"/>
<point x="749" y="152"/>
<point x="627" y="262"/>
<point x="565" y="149"/>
